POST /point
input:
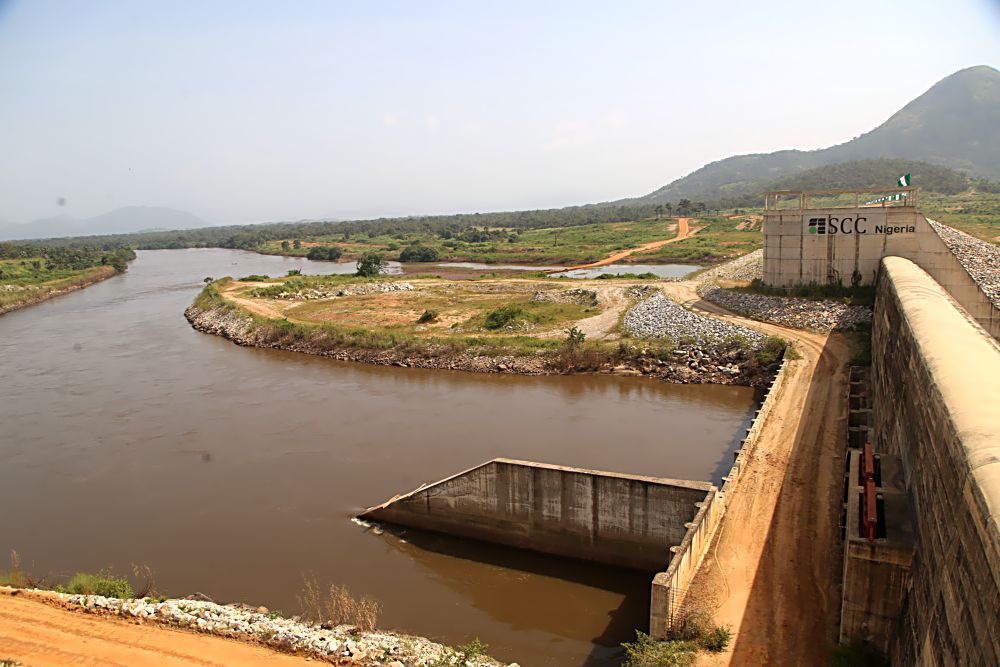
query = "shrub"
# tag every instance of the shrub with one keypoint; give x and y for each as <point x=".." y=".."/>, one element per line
<point x="370" y="265"/>
<point x="771" y="350"/>
<point x="255" y="278"/>
<point x="503" y="316"/>
<point x="428" y="316"/>
<point x="645" y="652"/>
<point x="473" y="649"/>
<point x="103" y="583"/>
<point x="324" y="252"/>
<point x="294" y="272"/>
<point x="419" y="253"/>
<point x="574" y="336"/>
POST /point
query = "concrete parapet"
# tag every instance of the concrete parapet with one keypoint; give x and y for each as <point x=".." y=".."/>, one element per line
<point x="936" y="392"/>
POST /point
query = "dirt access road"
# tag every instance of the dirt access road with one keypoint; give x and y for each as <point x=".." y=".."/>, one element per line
<point x="683" y="232"/>
<point x="773" y="568"/>
<point x="34" y="632"/>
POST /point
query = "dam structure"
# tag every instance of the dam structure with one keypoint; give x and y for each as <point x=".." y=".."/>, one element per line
<point x="921" y="519"/>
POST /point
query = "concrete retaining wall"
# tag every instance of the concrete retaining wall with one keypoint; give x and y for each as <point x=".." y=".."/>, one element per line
<point x="794" y="256"/>
<point x="669" y="587"/>
<point x="623" y="520"/>
<point x="936" y="391"/>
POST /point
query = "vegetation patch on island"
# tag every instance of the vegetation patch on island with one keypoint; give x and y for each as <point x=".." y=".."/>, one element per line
<point x="511" y="325"/>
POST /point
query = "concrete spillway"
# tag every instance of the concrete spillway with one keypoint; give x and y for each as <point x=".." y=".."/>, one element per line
<point x="622" y="520"/>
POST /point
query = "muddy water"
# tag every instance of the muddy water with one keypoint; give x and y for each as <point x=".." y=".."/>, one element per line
<point x="127" y="437"/>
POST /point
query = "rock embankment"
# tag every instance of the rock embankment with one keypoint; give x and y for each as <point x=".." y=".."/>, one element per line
<point x="342" y="644"/>
<point x="747" y="267"/>
<point x="578" y="296"/>
<point x="659" y="317"/>
<point x="979" y="258"/>
<point x="823" y="315"/>
<point x="705" y="365"/>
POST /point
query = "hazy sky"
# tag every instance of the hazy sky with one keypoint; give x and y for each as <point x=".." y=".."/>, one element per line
<point x="245" y="111"/>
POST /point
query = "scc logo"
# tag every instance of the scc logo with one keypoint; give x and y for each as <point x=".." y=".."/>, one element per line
<point x="833" y="225"/>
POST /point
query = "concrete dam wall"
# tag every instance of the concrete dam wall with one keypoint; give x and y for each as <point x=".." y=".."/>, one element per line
<point x="936" y="393"/>
<point x="622" y="520"/>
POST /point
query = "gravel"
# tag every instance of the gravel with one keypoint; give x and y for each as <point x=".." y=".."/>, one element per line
<point x="824" y="315"/>
<point x="747" y="267"/>
<point x="980" y="258"/>
<point x="342" y="643"/>
<point x="659" y="317"/>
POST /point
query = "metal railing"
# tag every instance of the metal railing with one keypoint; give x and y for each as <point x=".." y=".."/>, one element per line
<point x="773" y="199"/>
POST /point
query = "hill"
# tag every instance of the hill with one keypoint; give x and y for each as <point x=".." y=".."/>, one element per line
<point x="128" y="219"/>
<point x="953" y="124"/>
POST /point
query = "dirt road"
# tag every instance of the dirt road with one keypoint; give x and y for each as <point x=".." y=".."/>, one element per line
<point x="38" y="633"/>
<point x="772" y="570"/>
<point x="683" y="232"/>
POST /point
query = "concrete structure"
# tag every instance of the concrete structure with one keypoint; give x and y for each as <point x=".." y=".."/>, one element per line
<point x="936" y="397"/>
<point x="876" y="571"/>
<point x="623" y="520"/>
<point x="804" y="245"/>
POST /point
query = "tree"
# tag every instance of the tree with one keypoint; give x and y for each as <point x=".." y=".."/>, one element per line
<point x="329" y="253"/>
<point x="296" y="244"/>
<point x="285" y="245"/>
<point x="659" y="211"/>
<point x="419" y="253"/>
<point x="119" y="263"/>
<point x="371" y="264"/>
<point x="684" y="206"/>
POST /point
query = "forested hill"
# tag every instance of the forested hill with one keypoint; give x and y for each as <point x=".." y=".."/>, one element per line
<point x="954" y="124"/>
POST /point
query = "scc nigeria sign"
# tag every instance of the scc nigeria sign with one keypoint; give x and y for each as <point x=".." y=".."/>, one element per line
<point x="829" y="225"/>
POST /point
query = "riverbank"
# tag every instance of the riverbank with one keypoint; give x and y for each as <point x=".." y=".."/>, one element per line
<point x="42" y="627"/>
<point x="271" y="317"/>
<point x="15" y="297"/>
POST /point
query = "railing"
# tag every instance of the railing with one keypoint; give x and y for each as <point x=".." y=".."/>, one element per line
<point x="773" y="200"/>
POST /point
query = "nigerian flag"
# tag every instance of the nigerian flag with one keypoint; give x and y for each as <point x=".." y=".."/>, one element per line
<point x="904" y="180"/>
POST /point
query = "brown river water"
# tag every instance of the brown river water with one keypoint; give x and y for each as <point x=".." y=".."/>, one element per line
<point x="127" y="437"/>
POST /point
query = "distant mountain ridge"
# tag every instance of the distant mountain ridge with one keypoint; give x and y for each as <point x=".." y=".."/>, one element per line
<point x="125" y="220"/>
<point x="956" y="124"/>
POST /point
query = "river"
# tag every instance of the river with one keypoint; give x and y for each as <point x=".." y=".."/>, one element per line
<point x="128" y="438"/>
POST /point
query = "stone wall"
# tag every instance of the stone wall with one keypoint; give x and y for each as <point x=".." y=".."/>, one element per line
<point x="936" y="392"/>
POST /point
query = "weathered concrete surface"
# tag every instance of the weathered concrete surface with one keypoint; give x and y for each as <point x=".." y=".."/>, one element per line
<point x="623" y="520"/>
<point x="795" y="256"/>
<point x="876" y="573"/>
<point x="936" y="377"/>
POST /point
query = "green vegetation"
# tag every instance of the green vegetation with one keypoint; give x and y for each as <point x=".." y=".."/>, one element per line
<point x="861" y="295"/>
<point x="474" y="649"/>
<point x="103" y="583"/>
<point x="976" y="212"/>
<point x="696" y="632"/>
<point x="324" y="252"/>
<point x="428" y="316"/>
<point x="371" y="264"/>
<point x="254" y="278"/>
<point x="418" y="253"/>
<point x="30" y="272"/>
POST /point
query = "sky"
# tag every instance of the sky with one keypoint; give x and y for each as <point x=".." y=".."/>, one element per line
<point x="262" y="111"/>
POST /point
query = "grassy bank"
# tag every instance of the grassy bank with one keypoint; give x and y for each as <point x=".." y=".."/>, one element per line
<point x="25" y="292"/>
